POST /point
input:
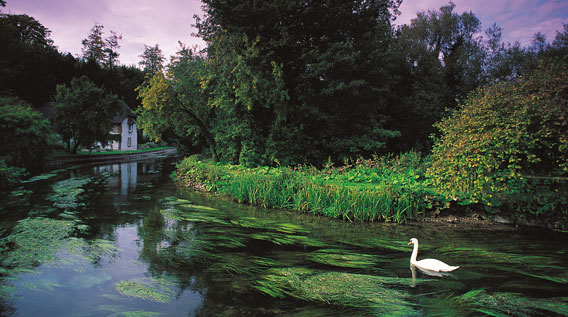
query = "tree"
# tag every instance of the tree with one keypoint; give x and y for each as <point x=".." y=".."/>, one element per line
<point x="332" y="56"/>
<point x="111" y="47"/>
<point x="30" y="65"/>
<point x="26" y="139"/>
<point x="94" y="45"/>
<point x="443" y="60"/>
<point x="152" y="59"/>
<point x="84" y="112"/>
<point x="173" y="101"/>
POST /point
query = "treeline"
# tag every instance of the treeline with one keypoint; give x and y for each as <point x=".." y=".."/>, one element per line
<point x="288" y="82"/>
<point x="88" y="89"/>
<point x="33" y="72"/>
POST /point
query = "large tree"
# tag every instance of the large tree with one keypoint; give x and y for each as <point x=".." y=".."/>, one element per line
<point x="333" y="57"/>
<point x="84" y="112"/>
<point x="111" y="47"/>
<point x="174" y="105"/>
<point x="94" y="45"/>
<point x="30" y="65"/>
<point x="442" y="59"/>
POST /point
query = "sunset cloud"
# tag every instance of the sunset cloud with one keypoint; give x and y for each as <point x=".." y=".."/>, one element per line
<point x="519" y="19"/>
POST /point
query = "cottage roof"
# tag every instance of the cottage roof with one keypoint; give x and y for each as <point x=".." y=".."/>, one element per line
<point x="126" y="113"/>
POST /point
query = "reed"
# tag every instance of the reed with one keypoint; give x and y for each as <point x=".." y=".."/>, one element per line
<point x="368" y="191"/>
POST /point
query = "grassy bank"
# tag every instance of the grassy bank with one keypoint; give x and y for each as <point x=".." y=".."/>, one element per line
<point x="387" y="188"/>
<point x="383" y="189"/>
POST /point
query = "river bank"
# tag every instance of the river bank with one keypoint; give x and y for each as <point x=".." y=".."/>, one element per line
<point x="384" y="190"/>
<point x="108" y="158"/>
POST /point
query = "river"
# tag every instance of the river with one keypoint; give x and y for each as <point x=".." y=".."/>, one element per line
<point x="124" y="240"/>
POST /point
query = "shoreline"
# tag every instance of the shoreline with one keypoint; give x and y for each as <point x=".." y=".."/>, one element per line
<point x="292" y="190"/>
<point x="110" y="158"/>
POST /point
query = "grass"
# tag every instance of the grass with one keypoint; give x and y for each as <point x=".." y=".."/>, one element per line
<point x="390" y="189"/>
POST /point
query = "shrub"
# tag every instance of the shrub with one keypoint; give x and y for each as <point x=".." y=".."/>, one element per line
<point x="503" y="135"/>
<point x="26" y="139"/>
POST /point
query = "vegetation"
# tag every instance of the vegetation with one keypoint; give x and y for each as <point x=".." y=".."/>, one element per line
<point x="25" y="136"/>
<point x="157" y="290"/>
<point x="507" y="146"/>
<point x="320" y="84"/>
<point x="386" y="189"/>
<point x="84" y="112"/>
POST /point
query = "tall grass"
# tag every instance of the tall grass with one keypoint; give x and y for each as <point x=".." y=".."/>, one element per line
<point x="365" y="191"/>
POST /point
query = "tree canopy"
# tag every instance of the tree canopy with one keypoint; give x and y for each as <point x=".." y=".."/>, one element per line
<point x="84" y="112"/>
<point x="331" y="56"/>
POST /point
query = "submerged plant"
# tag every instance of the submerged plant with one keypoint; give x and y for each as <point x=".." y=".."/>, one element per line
<point x="344" y="258"/>
<point x="35" y="241"/>
<point x="156" y="290"/>
<point x="345" y="289"/>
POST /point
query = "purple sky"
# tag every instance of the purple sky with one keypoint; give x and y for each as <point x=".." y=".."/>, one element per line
<point x="168" y="21"/>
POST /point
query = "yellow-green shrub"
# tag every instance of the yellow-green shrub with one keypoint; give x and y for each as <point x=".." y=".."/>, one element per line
<point x="502" y="135"/>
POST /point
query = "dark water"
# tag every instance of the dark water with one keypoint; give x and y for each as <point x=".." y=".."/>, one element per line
<point x="123" y="240"/>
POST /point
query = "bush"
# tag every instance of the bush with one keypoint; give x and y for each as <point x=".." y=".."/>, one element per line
<point x="502" y="138"/>
<point x="10" y="176"/>
<point x="26" y="139"/>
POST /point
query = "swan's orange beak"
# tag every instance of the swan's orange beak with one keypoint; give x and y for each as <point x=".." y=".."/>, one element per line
<point x="409" y="243"/>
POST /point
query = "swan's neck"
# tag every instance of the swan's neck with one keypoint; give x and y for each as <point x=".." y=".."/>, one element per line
<point x="414" y="253"/>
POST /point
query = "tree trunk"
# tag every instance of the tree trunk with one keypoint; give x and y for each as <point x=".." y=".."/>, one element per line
<point x="203" y="127"/>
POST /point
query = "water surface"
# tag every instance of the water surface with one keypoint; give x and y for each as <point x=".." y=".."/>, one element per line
<point x="123" y="240"/>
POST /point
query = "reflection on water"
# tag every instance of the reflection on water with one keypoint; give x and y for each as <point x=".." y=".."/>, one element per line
<point x="141" y="246"/>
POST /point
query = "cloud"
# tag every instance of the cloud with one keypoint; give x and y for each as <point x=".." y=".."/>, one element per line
<point x="520" y="19"/>
<point x="168" y="21"/>
<point x="139" y="21"/>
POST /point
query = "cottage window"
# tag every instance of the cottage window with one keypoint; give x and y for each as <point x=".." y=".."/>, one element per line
<point x="129" y="143"/>
<point x="130" y="127"/>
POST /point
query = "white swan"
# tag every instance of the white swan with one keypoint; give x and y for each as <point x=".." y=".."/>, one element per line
<point x="428" y="264"/>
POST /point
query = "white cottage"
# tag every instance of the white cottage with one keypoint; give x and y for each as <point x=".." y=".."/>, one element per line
<point x="124" y="128"/>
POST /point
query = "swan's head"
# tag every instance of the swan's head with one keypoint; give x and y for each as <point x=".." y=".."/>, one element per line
<point x="413" y="241"/>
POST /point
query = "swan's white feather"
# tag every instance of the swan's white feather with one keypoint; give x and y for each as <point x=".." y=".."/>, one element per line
<point x="428" y="264"/>
<point x="434" y="265"/>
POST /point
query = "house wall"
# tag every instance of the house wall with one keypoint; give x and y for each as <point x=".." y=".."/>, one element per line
<point x="126" y="134"/>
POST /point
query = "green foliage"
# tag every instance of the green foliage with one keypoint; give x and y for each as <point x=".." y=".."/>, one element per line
<point x="497" y="146"/>
<point x="26" y="139"/>
<point x="84" y="112"/>
<point x="292" y="91"/>
<point x="10" y="176"/>
<point x="346" y="289"/>
<point x="156" y="290"/>
<point x="35" y="241"/>
<point x="382" y="189"/>
<point x="441" y="59"/>
<point x="173" y="105"/>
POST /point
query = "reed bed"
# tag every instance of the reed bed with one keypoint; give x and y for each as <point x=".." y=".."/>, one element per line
<point x="364" y="191"/>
